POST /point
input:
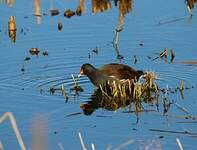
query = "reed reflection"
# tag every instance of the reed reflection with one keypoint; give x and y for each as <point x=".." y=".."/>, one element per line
<point x="100" y="6"/>
<point x="190" y="5"/>
<point x="98" y="100"/>
<point x="12" y="29"/>
<point x="10" y="2"/>
<point x="37" y="10"/>
<point x="80" y="8"/>
<point x="125" y="6"/>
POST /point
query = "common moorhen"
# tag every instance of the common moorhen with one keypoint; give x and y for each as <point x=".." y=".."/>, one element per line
<point x="108" y="72"/>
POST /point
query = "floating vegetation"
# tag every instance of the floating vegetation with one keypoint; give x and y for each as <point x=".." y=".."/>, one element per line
<point x="69" y="13"/>
<point x="60" y="89"/>
<point x="64" y="93"/>
<point x="135" y="59"/>
<point x="119" y="56"/>
<point x="54" y="12"/>
<point x="52" y="90"/>
<point x="172" y="55"/>
<point x="27" y="58"/>
<point x="163" y="54"/>
<point x="34" y="51"/>
<point x="141" y="44"/>
<point x="181" y="89"/>
<point x="12" y="29"/>
<point x="59" y="25"/>
<point x="45" y="53"/>
<point x="77" y="88"/>
<point x="78" y="11"/>
<point x="96" y="50"/>
<point x="23" y="69"/>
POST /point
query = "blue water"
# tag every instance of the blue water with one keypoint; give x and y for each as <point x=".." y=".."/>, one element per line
<point x="157" y="24"/>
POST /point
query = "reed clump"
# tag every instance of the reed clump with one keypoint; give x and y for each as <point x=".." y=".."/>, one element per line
<point x="125" y="92"/>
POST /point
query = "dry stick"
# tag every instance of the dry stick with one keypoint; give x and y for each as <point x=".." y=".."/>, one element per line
<point x="60" y="146"/>
<point x="179" y="143"/>
<point x="182" y="108"/>
<point x="74" y="79"/>
<point x="12" y="119"/>
<point x="170" y="21"/>
<point x="124" y="144"/>
<point x="73" y="114"/>
<point x="82" y="143"/>
<point x="93" y="147"/>
<point x="188" y="122"/>
<point x="171" y="131"/>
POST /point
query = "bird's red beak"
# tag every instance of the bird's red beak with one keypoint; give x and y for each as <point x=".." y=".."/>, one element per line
<point x="81" y="72"/>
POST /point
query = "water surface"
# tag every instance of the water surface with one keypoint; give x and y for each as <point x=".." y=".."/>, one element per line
<point x="156" y="24"/>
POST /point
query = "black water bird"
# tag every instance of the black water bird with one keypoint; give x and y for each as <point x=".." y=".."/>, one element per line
<point x="109" y="72"/>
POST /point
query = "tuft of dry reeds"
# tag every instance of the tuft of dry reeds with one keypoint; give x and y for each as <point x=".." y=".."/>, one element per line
<point x="124" y="92"/>
<point x="10" y="116"/>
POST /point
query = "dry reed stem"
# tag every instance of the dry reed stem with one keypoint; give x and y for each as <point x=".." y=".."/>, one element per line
<point x="81" y="141"/>
<point x="74" y="79"/>
<point x="93" y="147"/>
<point x="125" y="144"/>
<point x="60" y="146"/>
<point x="179" y="143"/>
<point x="12" y="119"/>
<point x="181" y="108"/>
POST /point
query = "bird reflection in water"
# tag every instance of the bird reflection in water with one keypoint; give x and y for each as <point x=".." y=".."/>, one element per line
<point x="98" y="100"/>
<point x="129" y="94"/>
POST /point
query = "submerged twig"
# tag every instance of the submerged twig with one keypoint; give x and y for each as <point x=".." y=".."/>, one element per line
<point x="170" y="21"/>
<point x="176" y="132"/>
<point x="182" y="108"/>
